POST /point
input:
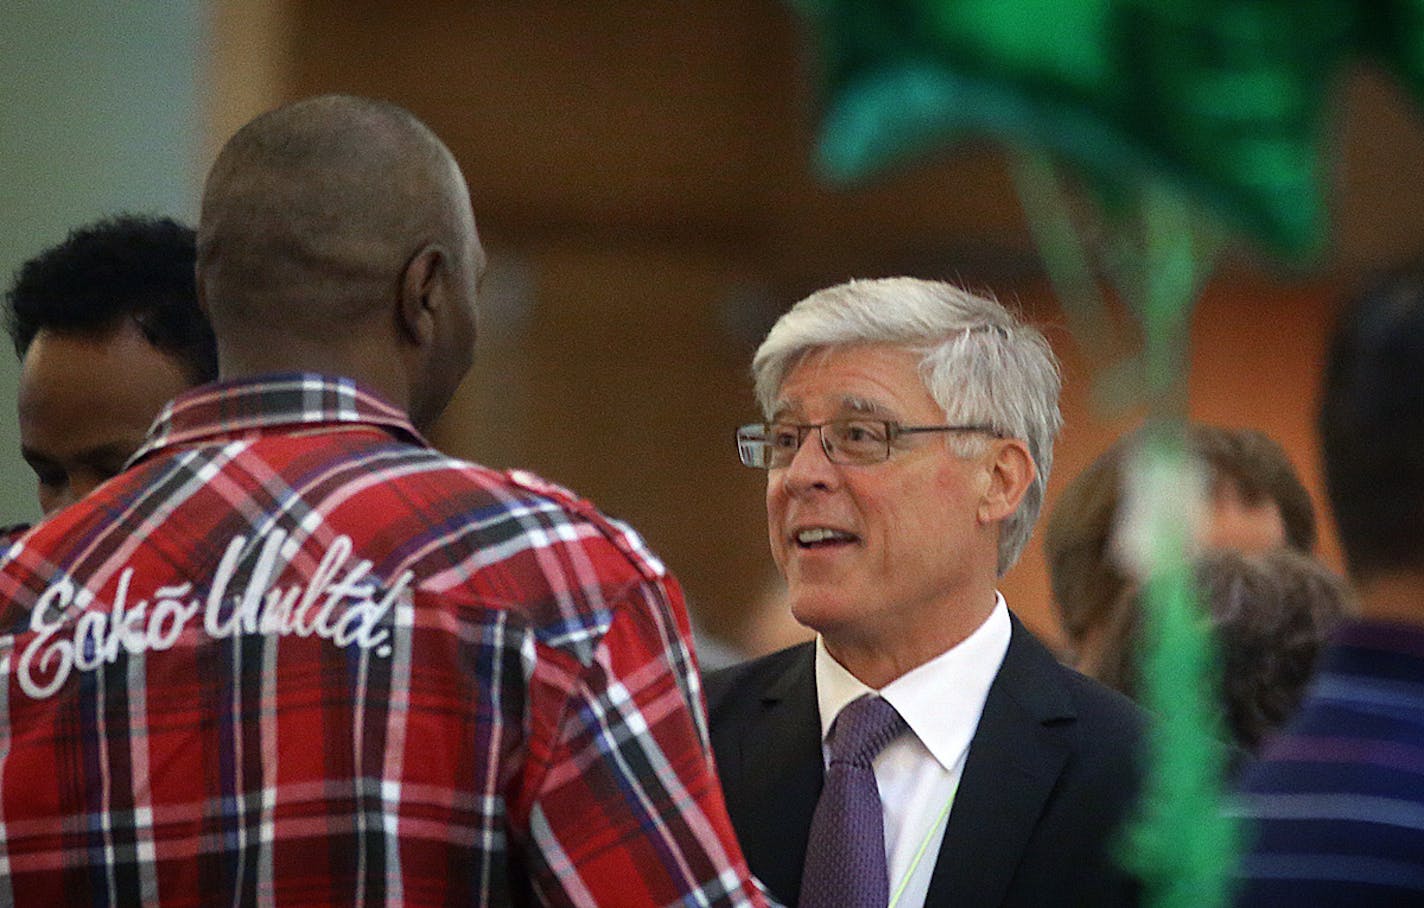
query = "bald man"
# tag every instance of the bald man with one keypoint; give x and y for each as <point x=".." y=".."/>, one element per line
<point x="294" y="656"/>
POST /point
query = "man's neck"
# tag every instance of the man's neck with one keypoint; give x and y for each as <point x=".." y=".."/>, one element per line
<point x="876" y="661"/>
<point x="379" y="371"/>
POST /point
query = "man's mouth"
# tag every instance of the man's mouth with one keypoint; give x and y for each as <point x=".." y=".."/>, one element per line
<point x="821" y="537"/>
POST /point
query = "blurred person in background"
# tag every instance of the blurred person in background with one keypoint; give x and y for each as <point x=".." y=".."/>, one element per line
<point x="1254" y="503"/>
<point x="1271" y="615"/>
<point x="108" y="330"/>
<point x="1335" y="805"/>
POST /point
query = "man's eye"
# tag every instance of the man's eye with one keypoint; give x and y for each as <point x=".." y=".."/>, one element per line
<point x="50" y="477"/>
<point x="104" y="472"/>
<point x="782" y="437"/>
<point x="46" y="471"/>
<point x="863" y="432"/>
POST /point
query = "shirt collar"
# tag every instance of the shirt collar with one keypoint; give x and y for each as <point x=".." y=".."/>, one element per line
<point x="227" y="410"/>
<point x="942" y="700"/>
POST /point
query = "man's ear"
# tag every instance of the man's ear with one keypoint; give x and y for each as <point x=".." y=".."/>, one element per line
<point x="1011" y="471"/>
<point x="200" y="285"/>
<point x="419" y="294"/>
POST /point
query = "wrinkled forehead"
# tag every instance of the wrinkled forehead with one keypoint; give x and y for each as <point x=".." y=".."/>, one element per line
<point x="847" y="405"/>
<point x="881" y="380"/>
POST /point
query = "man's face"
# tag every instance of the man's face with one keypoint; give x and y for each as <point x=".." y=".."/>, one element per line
<point x="906" y="541"/>
<point x="86" y="403"/>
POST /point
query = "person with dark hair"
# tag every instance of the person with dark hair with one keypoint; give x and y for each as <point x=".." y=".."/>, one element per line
<point x="108" y="330"/>
<point x="1270" y="614"/>
<point x="294" y="655"/>
<point x="1336" y="804"/>
<point x="1255" y="502"/>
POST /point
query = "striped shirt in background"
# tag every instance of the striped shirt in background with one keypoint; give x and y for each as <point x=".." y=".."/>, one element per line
<point x="294" y="656"/>
<point x="1336" y="804"/>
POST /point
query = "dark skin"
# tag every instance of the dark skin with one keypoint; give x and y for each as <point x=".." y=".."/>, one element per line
<point x="86" y="402"/>
<point x="336" y="236"/>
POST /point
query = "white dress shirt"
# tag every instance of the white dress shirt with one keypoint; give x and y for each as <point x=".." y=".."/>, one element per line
<point x="918" y="773"/>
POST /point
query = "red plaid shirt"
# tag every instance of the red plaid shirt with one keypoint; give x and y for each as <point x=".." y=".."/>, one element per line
<point x="294" y="656"/>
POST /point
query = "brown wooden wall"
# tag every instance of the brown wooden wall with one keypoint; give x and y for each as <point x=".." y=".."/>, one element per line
<point x="639" y="171"/>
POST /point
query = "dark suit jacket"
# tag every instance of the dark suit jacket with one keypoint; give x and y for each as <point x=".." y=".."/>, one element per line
<point x="1051" y="774"/>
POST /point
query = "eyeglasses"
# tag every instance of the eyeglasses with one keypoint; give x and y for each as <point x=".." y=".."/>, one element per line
<point x="850" y="442"/>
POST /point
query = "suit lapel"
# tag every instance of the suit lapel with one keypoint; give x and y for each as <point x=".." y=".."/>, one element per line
<point x="1011" y="768"/>
<point x="779" y="769"/>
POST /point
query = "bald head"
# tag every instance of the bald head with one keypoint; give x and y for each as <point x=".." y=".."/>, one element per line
<point x="336" y="235"/>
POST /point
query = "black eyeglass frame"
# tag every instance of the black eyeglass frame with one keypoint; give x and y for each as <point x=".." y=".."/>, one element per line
<point x="893" y="430"/>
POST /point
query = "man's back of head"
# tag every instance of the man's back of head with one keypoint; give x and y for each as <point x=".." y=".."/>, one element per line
<point x="1371" y="425"/>
<point x="337" y="236"/>
<point x="1270" y="613"/>
<point x="1334" y="801"/>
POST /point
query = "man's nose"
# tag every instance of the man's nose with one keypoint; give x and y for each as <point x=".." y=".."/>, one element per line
<point x="810" y="467"/>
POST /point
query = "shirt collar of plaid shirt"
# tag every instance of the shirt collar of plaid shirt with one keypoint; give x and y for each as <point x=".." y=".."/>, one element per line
<point x="244" y="406"/>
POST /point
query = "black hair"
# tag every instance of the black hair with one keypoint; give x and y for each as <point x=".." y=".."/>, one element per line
<point x="1371" y="424"/>
<point x="128" y="266"/>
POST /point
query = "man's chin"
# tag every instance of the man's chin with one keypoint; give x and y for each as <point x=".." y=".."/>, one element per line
<point x="821" y="609"/>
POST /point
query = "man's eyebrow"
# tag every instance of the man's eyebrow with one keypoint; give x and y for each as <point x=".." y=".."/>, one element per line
<point x="31" y="456"/>
<point x="101" y="454"/>
<point x="105" y="454"/>
<point x="785" y="411"/>
<point x="865" y="406"/>
<point x="781" y="411"/>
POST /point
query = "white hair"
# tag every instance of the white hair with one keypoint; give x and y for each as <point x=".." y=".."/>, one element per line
<point x="978" y="361"/>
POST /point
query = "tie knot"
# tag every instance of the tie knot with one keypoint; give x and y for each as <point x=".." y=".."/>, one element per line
<point x="862" y="730"/>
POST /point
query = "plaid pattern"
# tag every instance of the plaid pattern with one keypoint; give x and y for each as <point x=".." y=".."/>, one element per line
<point x="293" y="656"/>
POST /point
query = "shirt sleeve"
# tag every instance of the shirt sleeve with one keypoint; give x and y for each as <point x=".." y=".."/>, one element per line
<point x="622" y="803"/>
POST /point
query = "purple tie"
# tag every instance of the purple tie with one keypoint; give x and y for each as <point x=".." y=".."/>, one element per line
<point x="845" y="858"/>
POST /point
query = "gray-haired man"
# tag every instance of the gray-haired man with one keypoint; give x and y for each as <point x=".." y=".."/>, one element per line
<point x="908" y="440"/>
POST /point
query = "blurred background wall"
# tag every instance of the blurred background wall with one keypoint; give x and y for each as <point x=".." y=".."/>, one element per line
<point x="99" y="112"/>
<point x="640" y="173"/>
